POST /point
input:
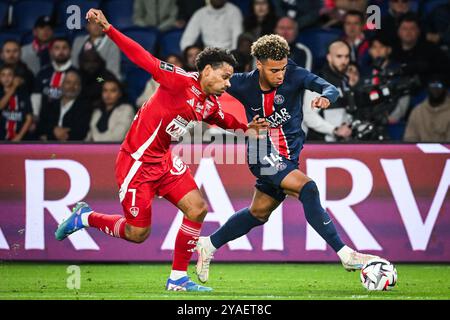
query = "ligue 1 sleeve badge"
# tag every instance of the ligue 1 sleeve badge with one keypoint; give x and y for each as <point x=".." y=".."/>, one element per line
<point x="281" y="166"/>
<point x="279" y="99"/>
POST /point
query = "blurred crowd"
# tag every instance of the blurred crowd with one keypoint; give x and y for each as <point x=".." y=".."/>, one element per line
<point x="392" y="70"/>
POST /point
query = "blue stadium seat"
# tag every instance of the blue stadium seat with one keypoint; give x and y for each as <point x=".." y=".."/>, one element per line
<point x="84" y="5"/>
<point x="418" y="98"/>
<point x="4" y="7"/>
<point x="119" y="13"/>
<point x="133" y="75"/>
<point x="26" y="13"/>
<point x="8" y="36"/>
<point x="135" y="80"/>
<point x="317" y="40"/>
<point x="244" y="5"/>
<point x="145" y="36"/>
<point x="384" y="5"/>
<point x="397" y="131"/>
<point x="415" y="5"/>
<point x="170" y="42"/>
<point x="430" y="5"/>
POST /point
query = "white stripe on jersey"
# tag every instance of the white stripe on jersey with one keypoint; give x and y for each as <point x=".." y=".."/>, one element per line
<point x="186" y="74"/>
<point x="138" y="154"/>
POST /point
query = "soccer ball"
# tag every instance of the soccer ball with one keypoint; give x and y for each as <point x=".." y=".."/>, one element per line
<point x="378" y="274"/>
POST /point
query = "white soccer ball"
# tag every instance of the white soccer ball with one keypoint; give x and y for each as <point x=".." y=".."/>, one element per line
<point x="378" y="274"/>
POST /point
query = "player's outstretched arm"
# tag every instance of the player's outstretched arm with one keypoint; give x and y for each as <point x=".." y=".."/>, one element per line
<point x="229" y="122"/>
<point x="133" y="50"/>
<point x="329" y="93"/>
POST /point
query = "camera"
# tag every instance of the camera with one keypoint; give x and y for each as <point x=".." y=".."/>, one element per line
<point x="371" y="102"/>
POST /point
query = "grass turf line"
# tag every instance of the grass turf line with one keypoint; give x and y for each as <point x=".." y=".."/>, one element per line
<point x="230" y="282"/>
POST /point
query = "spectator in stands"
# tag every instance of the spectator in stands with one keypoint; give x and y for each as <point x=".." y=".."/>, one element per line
<point x="300" y="54"/>
<point x="353" y="74"/>
<point x="219" y="24"/>
<point x="190" y="53"/>
<point x="305" y="12"/>
<point x="10" y="56"/>
<point x="377" y="70"/>
<point x="152" y="85"/>
<point x="438" y="26"/>
<point x="67" y="118"/>
<point x="419" y="56"/>
<point x="49" y="80"/>
<point x="98" y="41"/>
<point x="354" y="36"/>
<point x="36" y="54"/>
<point x="262" y="19"/>
<point x="185" y="11"/>
<point x="430" y="120"/>
<point x="333" y="11"/>
<point x="334" y="122"/>
<point x="243" y="53"/>
<point x="15" y="106"/>
<point x="155" y="13"/>
<point x="391" y="21"/>
<point x="111" y="121"/>
<point x="93" y="72"/>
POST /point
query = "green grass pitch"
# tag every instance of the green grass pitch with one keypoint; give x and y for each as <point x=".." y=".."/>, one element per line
<point x="238" y="281"/>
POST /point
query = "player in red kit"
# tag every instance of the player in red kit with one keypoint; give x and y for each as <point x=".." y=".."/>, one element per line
<point x="145" y="166"/>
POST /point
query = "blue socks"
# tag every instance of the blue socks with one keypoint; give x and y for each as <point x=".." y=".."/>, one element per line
<point x="243" y="221"/>
<point x="239" y="224"/>
<point x="317" y="217"/>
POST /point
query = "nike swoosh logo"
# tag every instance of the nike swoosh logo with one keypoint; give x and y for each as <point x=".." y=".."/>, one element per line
<point x="256" y="109"/>
<point x="325" y="223"/>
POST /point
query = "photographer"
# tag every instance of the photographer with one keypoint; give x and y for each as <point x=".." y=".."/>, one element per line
<point x="383" y="69"/>
<point x="333" y="123"/>
<point x="430" y="120"/>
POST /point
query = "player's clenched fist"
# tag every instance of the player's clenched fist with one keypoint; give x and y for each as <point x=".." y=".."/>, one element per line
<point x="320" y="102"/>
<point x="97" y="16"/>
<point x="257" y="128"/>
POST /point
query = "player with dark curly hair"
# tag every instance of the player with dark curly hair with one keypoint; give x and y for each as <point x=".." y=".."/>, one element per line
<point x="273" y="91"/>
<point x="145" y="167"/>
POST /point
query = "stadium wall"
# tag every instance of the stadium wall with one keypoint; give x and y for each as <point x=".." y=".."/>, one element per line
<point x="390" y="200"/>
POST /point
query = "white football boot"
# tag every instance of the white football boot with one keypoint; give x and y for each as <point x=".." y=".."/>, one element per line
<point x="353" y="260"/>
<point x="205" y="251"/>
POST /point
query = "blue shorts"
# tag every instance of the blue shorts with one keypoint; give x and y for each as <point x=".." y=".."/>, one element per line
<point x="269" y="176"/>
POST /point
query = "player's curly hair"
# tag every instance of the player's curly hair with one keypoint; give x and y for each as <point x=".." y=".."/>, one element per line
<point x="270" y="46"/>
<point x="214" y="57"/>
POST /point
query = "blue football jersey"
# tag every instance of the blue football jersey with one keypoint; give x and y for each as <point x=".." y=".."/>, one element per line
<point x="282" y="107"/>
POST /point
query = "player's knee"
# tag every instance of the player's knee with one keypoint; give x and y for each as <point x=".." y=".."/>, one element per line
<point x="262" y="214"/>
<point x="137" y="235"/>
<point x="309" y="190"/>
<point x="199" y="211"/>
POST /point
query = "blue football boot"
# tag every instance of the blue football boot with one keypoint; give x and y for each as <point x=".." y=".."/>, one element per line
<point x="185" y="284"/>
<point x="72" y="223"/>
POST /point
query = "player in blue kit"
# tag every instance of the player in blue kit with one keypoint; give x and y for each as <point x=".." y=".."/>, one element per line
<point x="274" y="91"/>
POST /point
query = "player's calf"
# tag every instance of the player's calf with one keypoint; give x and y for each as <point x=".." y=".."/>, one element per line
<point x="136" y="234"/>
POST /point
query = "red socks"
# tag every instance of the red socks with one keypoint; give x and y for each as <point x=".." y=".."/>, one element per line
<point x="185" y="244"/>
<point x="113" y="225"/>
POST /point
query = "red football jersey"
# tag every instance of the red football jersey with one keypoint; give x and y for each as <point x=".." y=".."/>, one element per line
<point x="174" y="108"/>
